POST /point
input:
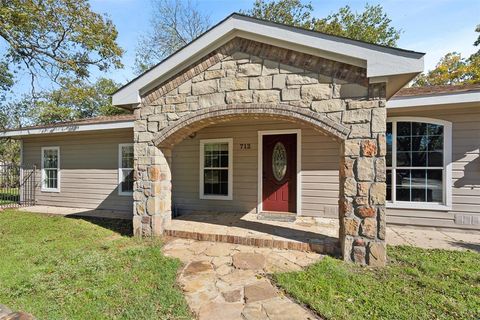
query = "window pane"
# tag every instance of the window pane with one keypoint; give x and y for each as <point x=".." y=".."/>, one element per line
<point x="224" y="160"/>
<point x="216" y="155"/>
<point x="389" y="138"/>
<point x="403" y="129"/>
<point x="435" y="159"/>
<point x="50" y="158"/>
<point x="127" y="180"/>
<point x="419" y="129"/>
<point x="435" y="143"/>
<point x="420" y="143"/>
<point x="419" y="159"/>
<point x="127" y="156"/>
<point x="418" y="183"/>
<point x="389" y="185"/>
<point x="215" y="182"/>
<point x="404" y="159"/>
<point x="51" y="179"/>
<point x="435" y="185"/>
<point x="435" y="129"/>
<point x="403" y="185"/>
<point x="404" y="144"/>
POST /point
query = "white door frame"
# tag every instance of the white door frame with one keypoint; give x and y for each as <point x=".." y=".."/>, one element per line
<point x="298" y="132"/>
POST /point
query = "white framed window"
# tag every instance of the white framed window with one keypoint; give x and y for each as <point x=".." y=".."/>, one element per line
<point x="125" y="169"/>
<point x="50" y="169"/>
<point x="216" y="169"/>
<point x="419" y="169"/>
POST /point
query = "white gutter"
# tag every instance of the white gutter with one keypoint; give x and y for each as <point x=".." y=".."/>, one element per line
<point x="379" y="61"/>
<point x="437" y="99"/>
<point x="67" y="129"/>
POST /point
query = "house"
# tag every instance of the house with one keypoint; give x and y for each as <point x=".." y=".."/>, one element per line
<point x="255" y="116"/>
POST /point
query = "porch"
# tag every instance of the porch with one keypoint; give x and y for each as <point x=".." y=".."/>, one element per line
<point x="303" y="234"/>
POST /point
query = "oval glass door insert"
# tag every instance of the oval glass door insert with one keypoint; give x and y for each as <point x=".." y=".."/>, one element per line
<point x="279" y="161"/>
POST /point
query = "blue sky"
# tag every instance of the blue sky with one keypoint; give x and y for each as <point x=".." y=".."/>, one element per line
<point x="432" y="26"/>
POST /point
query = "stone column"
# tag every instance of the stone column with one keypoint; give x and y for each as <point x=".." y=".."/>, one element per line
<point x="362" y="184"/>
<point x="152" y="187"/>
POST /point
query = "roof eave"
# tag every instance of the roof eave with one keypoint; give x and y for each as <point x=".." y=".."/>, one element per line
<point x="67" y="128"/>
<point x="466" y="97"/>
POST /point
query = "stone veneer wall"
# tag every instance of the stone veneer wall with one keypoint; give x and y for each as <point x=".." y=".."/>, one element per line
<point x="246" y="78"/>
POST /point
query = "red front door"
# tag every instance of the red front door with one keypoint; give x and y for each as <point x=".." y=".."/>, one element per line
<point x="279" y="172"/>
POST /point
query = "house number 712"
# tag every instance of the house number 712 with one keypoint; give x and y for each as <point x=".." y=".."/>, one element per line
<point x="245" y="146"/>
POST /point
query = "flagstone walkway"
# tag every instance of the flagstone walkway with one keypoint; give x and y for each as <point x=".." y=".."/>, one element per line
<point x="228" y="281"/>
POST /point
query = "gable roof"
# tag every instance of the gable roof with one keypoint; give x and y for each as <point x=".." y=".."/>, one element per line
<point x="383" y="64"/>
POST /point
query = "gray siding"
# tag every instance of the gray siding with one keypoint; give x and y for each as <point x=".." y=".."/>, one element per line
<point x="88" y="166"/>
<point x="320" y="156"/>
<point x="465" y="211"/>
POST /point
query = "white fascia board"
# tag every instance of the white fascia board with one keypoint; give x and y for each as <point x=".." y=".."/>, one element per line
<point x="67" y="129"/>
<point x="432" y="100"/>
<point x="379" y="61"/>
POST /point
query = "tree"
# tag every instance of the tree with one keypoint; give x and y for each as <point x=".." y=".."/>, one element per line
<point x="452" y="69"/>
<point x="6" y="79"/>
<point x="291" y="12"/>
<point x="55" y="38"/>
<point x="174" y="24"/>
<point x="372" y="25"/>
<point x="76" y="99"/>
<point x="477" y="42"/>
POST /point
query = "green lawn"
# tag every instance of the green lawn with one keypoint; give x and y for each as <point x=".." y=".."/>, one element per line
<point x="417" y="284"/>
<point x="63" y="268"/>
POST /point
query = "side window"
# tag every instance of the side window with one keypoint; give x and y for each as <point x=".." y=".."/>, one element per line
<point x="216" y="169"/>
<point x="125" y="169"/>
<point x="51" y="169"/>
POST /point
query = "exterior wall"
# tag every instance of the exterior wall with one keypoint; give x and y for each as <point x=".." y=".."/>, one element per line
<point x="88" y="169"/>
<point x="246" y="79"/>
<point x="319" y="164"/>
<point x="465" y="211"/>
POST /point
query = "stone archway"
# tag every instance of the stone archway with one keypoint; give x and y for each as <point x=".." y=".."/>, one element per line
<point x="178" y="130"/>
<point x="362" y="170"/>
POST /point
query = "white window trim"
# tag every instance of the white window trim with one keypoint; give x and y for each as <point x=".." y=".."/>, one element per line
<point x="446" y="205"/>
<point x="43" y="188"/>
<point x="229" y="196"/>
<point x="298" y="132"/>
<point x="120" y="168"/>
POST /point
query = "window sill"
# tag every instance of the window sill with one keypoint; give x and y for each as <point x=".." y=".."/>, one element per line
<point x="50" y="190"/>
<point x="125" y="194"/>
<point x="205" y="197"/>
<point x="418" y="206"/>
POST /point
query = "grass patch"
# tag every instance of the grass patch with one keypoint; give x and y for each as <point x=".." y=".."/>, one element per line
<point x="417" y="284"/>
<point x="63" y="268"/>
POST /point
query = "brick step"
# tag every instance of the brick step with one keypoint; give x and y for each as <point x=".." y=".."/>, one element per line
<point x="322" y="246"/>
